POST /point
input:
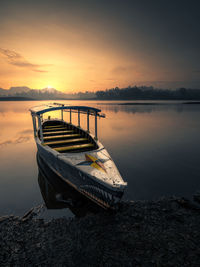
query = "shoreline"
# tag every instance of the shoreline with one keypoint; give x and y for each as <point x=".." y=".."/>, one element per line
<point x="141" y="233"/>
<point x="156" y="101"/>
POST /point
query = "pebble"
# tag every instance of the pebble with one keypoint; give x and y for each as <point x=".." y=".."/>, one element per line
<point x="144" y="233"/>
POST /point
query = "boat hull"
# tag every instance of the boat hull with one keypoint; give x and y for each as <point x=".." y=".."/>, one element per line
<point x="58" y="194"/>
<point x="81" y="181"/>
<point x="75" y="154"/>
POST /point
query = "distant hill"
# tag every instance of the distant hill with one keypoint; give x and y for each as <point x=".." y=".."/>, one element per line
<point x="42" y="94"/>
<point x="26" y="92"/>
<point x="128" y="93"/>
<point x="17" y="90"/>
<point x="3" y="91"/>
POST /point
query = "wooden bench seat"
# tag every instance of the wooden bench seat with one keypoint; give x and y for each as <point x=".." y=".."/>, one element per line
<point x="62" y="142"/>
<point x="61" y="136"/>
<point x="58" y="132"/>
<point x="55" y="129"/>
<point x="53" y="126"/>
<point x="73" y="147"/>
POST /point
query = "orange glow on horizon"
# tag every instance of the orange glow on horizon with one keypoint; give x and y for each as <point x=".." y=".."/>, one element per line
<point x="67" y="61"/>
<point x="78" y="46"/>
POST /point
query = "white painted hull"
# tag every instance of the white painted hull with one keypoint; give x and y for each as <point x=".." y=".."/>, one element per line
<point x="75" y="155"/>
<point x="83" y="182"/>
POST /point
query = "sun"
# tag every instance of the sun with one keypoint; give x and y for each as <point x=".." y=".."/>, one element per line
<point x="49" y="86"/>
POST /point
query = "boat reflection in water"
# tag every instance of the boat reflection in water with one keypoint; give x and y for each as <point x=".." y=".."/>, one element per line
<point x="58" y="194"/>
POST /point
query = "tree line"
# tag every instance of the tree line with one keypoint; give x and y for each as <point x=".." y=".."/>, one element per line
<point x="145" y="92"/>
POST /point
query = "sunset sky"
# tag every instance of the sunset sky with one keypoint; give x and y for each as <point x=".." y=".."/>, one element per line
<point x="92" y="45"/>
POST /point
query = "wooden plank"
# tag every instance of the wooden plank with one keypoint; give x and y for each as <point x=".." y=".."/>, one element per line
<point x="65" y="141"/>
<point x="60" y="132"/>
<point x="61" y="136"/>
<point x="53" y="126"/>
<point x="55" y="129"/>
<point x="74" y="147"/>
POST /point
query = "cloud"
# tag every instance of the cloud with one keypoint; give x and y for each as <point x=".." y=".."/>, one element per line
<point x="123" y="69"/>
<point x="40" y="70"/>
<point x="110" y="79"/>
<point x="18" y="60"/>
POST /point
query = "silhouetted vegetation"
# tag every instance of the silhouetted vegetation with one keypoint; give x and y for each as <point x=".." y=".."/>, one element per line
<point x="25" y="93"/>
<point x="141" y="93"/>
<point x="128" y="93"/>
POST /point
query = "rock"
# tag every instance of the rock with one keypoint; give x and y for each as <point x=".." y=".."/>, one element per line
<point x="4" y="218"/>
<point x="185" y="203"/>
<point x="143" y="233"/>
<point x="196" y="197"/>
<point x="28" y="215"/>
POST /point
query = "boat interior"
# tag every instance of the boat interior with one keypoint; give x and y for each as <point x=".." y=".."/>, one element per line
<point x="65" y="137"/>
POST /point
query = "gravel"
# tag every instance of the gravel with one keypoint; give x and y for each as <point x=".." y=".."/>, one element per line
<point x="142" y="233"/>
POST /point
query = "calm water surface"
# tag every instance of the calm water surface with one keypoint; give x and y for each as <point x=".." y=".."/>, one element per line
<point x="156" y="149"/>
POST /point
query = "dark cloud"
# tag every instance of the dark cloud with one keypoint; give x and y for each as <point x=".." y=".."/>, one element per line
<point x="18" y="60"/>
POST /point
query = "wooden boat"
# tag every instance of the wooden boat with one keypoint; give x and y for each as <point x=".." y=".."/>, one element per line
<point x="76" y="155"/>
<point x="57" y="194"/>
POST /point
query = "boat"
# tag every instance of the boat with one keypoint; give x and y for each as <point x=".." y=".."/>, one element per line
<point x="57" y="194"/>
<point x="75" y="154"/>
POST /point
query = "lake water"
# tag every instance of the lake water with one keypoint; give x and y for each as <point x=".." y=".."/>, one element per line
<point x="155" y="147"/>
